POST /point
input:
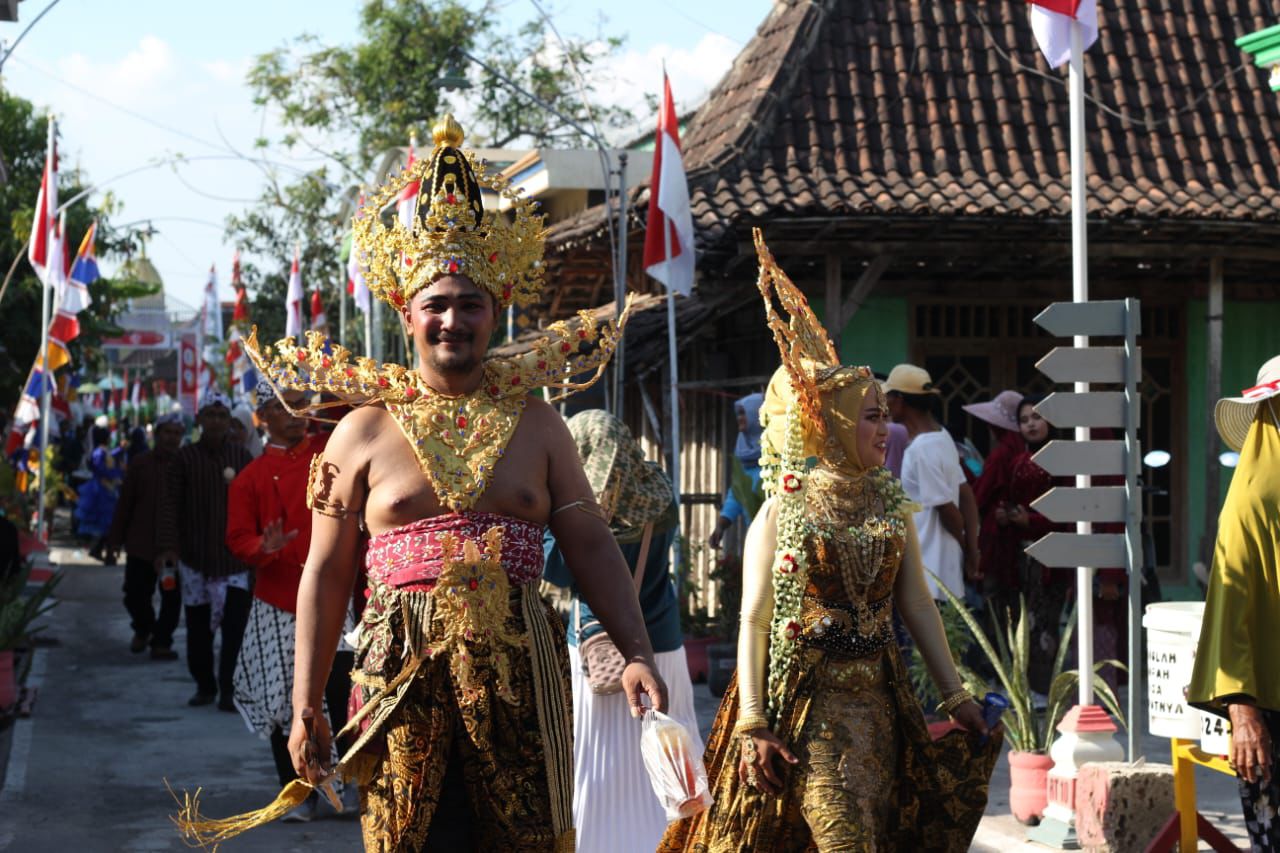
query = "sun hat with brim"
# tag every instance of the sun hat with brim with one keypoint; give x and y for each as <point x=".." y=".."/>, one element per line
<point x="909" y="379"/>
<point x="1001" y="412"/>
<point x="1234" y="415"/>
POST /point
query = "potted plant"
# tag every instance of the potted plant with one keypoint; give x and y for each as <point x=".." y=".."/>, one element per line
<point x="1029" y="732"/>
<point x="19" y="608"/>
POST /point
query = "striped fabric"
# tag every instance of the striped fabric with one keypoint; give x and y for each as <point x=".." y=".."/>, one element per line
<point x="193" y="513"/>
<point x="614" y="807"/>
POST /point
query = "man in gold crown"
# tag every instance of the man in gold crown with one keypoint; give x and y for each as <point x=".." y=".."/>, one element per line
<point x="453" y="470"/>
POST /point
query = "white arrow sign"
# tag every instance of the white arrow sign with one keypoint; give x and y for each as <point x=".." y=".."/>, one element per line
<point x="1067" y="319"/>
<point x="1097" y="503"/>
<point x="1090" y="458"/>
<point x="1071" y="550"/>
<point x="1088" y="409"/>
<point x="1085" y="364"/>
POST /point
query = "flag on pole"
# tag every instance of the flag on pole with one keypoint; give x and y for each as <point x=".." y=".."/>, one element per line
<point x="318" y="319"/>
<point x="240" y="315"/>
<point x="407" y="201"/>
<point x="73" y="293"/>
<point x="27" y="412"/>
<point x="355" y="272"/>
<point x="45" y="221"/>
<point x="63" y="328"/>
<point x="1051" y="24"/>
<point x="211" y="312"/>
<point x="668" y="239"/>
<point x="293" y="300"/>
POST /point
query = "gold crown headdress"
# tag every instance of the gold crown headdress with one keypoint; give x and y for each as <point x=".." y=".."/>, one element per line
<point x="806" y="349"/>
<point x="450" y="232"/>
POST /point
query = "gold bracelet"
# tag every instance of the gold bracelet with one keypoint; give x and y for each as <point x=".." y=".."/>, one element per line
<point x="949" y="704"/>
<point x="750" y="724"/>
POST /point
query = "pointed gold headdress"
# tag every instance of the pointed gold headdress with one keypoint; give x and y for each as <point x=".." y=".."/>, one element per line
<point x="450" y="231"/>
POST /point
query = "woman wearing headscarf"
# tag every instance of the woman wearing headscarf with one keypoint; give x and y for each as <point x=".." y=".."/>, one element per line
<point x="1236" y="675"/>
<point x="614" y="807"/>
<point x="819" y="742"/>
<point x="746" y="456"/>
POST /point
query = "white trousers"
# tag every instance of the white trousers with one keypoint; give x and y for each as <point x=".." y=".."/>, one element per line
<point x="614" y="807"/>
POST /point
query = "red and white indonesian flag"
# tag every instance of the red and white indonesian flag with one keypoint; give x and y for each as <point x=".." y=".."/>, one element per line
<point x="211" y="313"/>
<point x="407" y="201"/>
<point x="1051" y="24"/>
<point x="318" y="318"/>
<point x="668" y="239"/>
<point x="45" y="223"/>
<point x="293" y="300"/>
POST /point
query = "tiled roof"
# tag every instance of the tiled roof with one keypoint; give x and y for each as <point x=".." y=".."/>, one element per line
<point x="907" y="108"/>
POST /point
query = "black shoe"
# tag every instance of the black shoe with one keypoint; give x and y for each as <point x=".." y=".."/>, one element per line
<point x="163" y="653"/>
<point x="138" y="643"/>
<point x="226" y="704"/>
<point x="201" y="698"/>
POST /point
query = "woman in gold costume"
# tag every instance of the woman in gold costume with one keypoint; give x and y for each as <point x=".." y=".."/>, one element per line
<point x="820" y="743"/>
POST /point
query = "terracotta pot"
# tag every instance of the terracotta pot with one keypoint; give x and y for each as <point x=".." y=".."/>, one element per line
<point x="695" y="652"/>
<point x="1028" y="785"/>
<point x="8" y="680"/>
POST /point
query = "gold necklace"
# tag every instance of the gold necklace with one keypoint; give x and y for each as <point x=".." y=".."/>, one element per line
<point x="458" y="439"/>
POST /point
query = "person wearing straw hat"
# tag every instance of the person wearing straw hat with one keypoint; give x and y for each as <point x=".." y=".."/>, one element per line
<point x="1236" y="674"/>
<point x="933" y="478"/>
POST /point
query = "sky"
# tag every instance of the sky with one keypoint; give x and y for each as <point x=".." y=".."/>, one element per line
<point x="139" y="84"/>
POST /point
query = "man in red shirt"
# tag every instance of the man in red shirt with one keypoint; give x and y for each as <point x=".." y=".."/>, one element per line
<point x="269" y="527"/>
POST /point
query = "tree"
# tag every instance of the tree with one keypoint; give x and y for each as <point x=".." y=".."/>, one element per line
<point x="353" y="104"/>
<point x="23" y="135"/>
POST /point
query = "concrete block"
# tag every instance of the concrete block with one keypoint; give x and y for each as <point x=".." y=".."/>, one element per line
<point x="1121" y="807"/>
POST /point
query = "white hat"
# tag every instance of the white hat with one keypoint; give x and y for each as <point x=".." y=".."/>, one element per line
<point x="1234" y="415"/>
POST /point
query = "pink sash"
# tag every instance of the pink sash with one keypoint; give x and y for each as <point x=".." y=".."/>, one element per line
<point x="408" y="557"/>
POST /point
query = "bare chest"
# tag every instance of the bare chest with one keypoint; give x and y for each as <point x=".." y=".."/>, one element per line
<point x="400" y="493"/>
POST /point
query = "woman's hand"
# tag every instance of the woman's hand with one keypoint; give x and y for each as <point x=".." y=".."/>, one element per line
<point x="1250" y="743"/>
<point x="1002" y="514"/>
<point x="1018" y="516"/>
<point x="758" y="765"/>
<point x="969" y="717"/>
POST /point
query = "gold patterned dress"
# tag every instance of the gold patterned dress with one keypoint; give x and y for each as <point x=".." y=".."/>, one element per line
<point x="869" y="776"/>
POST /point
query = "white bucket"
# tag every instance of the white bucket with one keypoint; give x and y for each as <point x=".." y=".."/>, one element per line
<point x="1173" y="630"/>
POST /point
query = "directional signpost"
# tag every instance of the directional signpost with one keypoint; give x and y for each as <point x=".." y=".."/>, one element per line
<point x="1087" y="729"/>
<point x="1086" y="504"/>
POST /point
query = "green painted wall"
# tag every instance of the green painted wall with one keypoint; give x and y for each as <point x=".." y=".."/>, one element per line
<point x="877" y="334"/>
<point x="1250" y="336"/>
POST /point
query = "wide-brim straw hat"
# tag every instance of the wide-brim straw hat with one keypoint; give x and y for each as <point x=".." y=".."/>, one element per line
<point x="1001" y="412"/>
<point x="909" y="379"/>
<point x="1234" y="415"/>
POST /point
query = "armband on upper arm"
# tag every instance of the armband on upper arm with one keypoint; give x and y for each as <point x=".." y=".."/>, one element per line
<point x="320" y="489"/>
<point x="591" y="508"/>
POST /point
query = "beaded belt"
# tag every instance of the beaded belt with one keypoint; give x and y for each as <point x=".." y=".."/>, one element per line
<point x="857" y="630"/>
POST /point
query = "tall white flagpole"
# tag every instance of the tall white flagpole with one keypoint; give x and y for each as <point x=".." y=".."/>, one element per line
<point x="1080" y="293"/>
<point x="675" y="378"/>
<point x="46" y="375"/>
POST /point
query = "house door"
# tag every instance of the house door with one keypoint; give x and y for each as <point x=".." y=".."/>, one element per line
<point x="975" y="349"/>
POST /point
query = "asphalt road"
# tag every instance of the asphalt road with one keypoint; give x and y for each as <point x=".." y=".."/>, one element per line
<point x="87" y="771"/>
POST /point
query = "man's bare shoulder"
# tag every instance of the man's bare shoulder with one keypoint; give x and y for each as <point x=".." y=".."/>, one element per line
<point x="356" y="429"/>
<point x="545" y="421"/>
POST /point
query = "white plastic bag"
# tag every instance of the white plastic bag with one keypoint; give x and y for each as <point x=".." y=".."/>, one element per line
<point x="675" y="770"/>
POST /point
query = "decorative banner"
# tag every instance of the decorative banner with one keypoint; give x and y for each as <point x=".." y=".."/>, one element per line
<point x="144" y="340"/>
<point x="188" y="373"/>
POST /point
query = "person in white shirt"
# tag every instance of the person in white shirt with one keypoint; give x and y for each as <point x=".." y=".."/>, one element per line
<point x="932" y="477"/>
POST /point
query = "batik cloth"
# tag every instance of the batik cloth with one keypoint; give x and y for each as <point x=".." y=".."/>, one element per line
<point x="631" y="491"/>
<point x="874" y="779"/>
<point x="199" y="589"/>
<point x="1260" y="800"/>
<point x="493" y="713"/>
